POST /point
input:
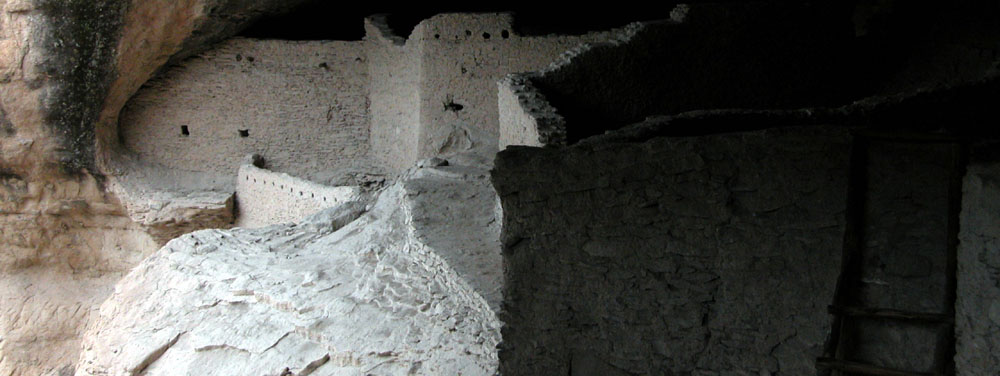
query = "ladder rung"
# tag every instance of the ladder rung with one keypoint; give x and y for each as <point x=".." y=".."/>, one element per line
<point x="890" y="314"/>
<point x="865" y="369"/>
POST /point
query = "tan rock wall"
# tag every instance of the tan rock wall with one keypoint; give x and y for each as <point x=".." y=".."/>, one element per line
<point x="63" y="241"/>
<point x="66" y="68"/>
<point x="62" y="247"/>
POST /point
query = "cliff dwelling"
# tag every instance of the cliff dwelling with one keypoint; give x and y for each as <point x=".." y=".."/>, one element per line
<point x="269" y="187"/>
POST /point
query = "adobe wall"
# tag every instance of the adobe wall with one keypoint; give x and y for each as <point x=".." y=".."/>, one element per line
<point x="267" y="198"/>
<point x="977" y="309"/>
<point x="702" y="255"/>
<point x="303" y="104"/>
<point x="463" y="57"/>
<point x="316" y="106"/>
<point x="394" y="94"/>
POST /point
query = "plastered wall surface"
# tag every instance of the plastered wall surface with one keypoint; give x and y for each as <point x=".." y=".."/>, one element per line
<point x="708" y="255"/>
<point x="394" y="92"/>
<point x="267" y="198"/>
<point x="463" y="57"/>
<point x="302" y="105"/>
<point x="977" y="309"/>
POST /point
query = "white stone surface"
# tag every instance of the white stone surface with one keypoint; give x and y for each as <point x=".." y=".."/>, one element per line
<point x="402" y="289"/>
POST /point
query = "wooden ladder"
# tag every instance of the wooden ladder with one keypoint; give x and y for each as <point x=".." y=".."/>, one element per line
<point x="858" y="326"/>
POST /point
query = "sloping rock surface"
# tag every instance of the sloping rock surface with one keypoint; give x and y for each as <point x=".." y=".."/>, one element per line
<point x="374" y="296"/>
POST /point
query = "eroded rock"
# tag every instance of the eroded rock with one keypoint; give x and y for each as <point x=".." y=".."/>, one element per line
<point x="410" y="286"/>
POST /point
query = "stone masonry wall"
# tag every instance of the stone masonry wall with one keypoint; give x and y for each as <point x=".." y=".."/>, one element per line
<point x="525" y="115"/>
<point x="443" y="76"/>
<point x="303" y="105"/>
<point x="463" y="57"/>
<point x="704" y="255"/>
<point x="977" y="309"/>
<point x="267" y="198"/>
<point x="394" y="93"/>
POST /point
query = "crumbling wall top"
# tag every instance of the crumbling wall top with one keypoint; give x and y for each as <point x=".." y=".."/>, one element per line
<point x="377" y="28"/>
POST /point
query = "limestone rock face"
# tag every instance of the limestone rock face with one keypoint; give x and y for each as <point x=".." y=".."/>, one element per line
<point x="380" y="295"/>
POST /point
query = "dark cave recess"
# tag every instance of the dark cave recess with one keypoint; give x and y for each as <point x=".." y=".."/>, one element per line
<point x="326" y="20"/>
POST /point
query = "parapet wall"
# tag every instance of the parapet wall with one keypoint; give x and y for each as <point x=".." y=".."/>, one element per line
<point x="266" y="198"/>
<point x="303" y="105"/>
<point x="694" y="255"/>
